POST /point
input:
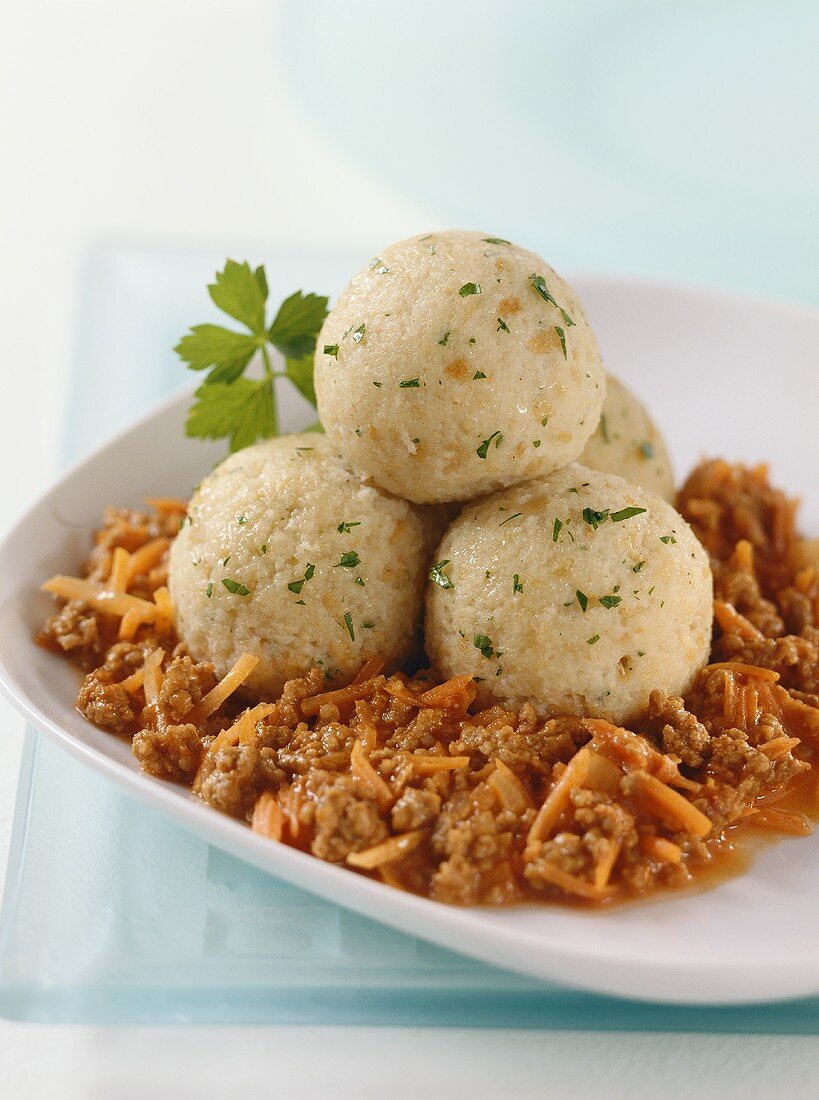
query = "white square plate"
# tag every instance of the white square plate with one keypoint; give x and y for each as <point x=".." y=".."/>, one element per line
<point x="722" y="375"/>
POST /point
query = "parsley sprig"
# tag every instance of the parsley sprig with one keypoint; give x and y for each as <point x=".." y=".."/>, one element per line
<point x="228" y="404"/>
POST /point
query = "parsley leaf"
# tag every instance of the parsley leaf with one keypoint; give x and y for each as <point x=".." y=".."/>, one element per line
<point x="626" y="513"/>
<point x="582" y="599"/>
<point x="484" y="643"/>
<point x="469" y="288"/>
<point x="235" y="587"/>
<point x="438" y="576"/>
<point x="483" y="450"/>
<point x="494" y="240"/>
<point x="349" y="560"/>
<point x="228" y="405"/>
<point x="297" y="324"/>
<point x="242" y="411"/>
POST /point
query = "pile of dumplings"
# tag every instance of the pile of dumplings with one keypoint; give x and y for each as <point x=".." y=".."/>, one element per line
<point x="483" y="492"/>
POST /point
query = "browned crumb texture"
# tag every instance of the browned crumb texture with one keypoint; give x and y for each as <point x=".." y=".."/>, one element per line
<point x="396" y="777"/>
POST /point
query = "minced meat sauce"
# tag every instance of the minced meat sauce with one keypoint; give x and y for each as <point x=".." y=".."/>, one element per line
<point x="396" y="776"/>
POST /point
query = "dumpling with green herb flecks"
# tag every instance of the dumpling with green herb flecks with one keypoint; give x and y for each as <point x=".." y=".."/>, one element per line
<point x="578" y="592"/>
<point x="289" y="556"/>
<point x="628" y="443"/>
<point x="457" y="363"/>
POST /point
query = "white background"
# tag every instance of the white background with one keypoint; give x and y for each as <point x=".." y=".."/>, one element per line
<point x="131" y="119"/>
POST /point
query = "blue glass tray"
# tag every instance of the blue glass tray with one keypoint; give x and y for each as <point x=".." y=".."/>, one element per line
<point x="112" y="914"/>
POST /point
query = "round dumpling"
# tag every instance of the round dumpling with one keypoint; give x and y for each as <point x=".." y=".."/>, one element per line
<point x="288" y="556"/>
<point x="455" y="364"/>
<point x="628" y="443"/>
<point x="579" y="592"/>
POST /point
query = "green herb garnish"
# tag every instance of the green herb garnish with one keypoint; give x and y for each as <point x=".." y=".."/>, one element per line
<point x="626" y="513"/>
<point x="582" y="599"/>
<point x="484" y="643"/>
<point x="309" y="572"/>
<point x="348" y="622"/>
<point x="562" y="337"/>
<point x="469" y="288"/>
<point x="516" y="585"/>
<point x="593" y="518"/>
<point x="611" y="601"/>
<point x="244" y="409"/>
<point x="494" y="240"/>
<point x="478" y="375"/>
<point x="209" y="589"/>
<point x="483" y="449"/>
<point x="558" y="527"/>
<point x="444" y="339"/>
<point x="438" y="576"/>
<point x="349" y="560"/>
<point x="666" y="539"/>
<point x="331" y="349"/>
<point x="409" y="384"/>
<point x="510" y="518"/>
<point x="502" y="325"/>
<point x="594" y="638"/>
<point x="235" y="587"/>
<point x="646" y="449"/>
<point x="344" y="528"/>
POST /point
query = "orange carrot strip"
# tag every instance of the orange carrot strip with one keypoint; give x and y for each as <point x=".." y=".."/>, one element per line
<point x="671" y="804"/>
<point x="226" y="686"/>
<point x="338" y="697"/>
<point x="732" y="621"/>
<point x="748" y="670"/>
<point x="120" y="560"/>
<point x="558" y="798"/>
<point x="657" y="847"/>
<point x="363" y="769"/>
<point x="388" y="851"/>
<point x="146" y="557"/>
<point x="267" y="819"/>
<point x="571" y="884"/>
<point x="152" y="675"/>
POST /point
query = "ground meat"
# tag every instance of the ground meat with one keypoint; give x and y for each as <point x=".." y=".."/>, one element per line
<point x="228" y="779"/>
<point x="124" y="658"/>
<point x="171" y="752"/>
<point x="528" y="751"/>
<point x="105" y="703"/>
<point x="185" y="684"/>
<point x="679" y="731"/>
<point x="475" y="843"/>
<point x="75" y="630"/>
<point x="414" y="809"/>
<point x="345" y="822"/>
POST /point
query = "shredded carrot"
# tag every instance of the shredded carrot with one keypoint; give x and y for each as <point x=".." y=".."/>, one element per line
<point x="399" y="690"/>
<point x="243" y="729"/>
<point x="152" y="675"/>
<point x="368" y="671"/>
<point x="164" y="617"/>
<point x="509" y="788"/>
<point x="744" y="556"/>
<point x="571" y="884"/>
<point x="431" y="765"/>
<point x="558" y="798"/>
<point x="226" y="686"/>
<point x="657" y="847"/>
<point x="779" y="747"/>
<point x="129" y="624"/>
<point x="120" y="561"/>
<point x="338" y="697"/>
<point x="605" y="865"/>
<point x="388" y="851"/>
<point x="732" y="621"/>
<point x="267" y="819"/>
<point x="455" y="694"/>
<point x="363" y="769"/>
<point x="146" y="557"/>
<point x="133" y="682"/>
<point x="671" y="804"/>
<point x="99" y="597"/>
<point x="747" y="670"/>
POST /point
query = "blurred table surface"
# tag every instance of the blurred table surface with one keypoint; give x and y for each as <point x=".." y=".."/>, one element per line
<point x="165" y="120"/>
